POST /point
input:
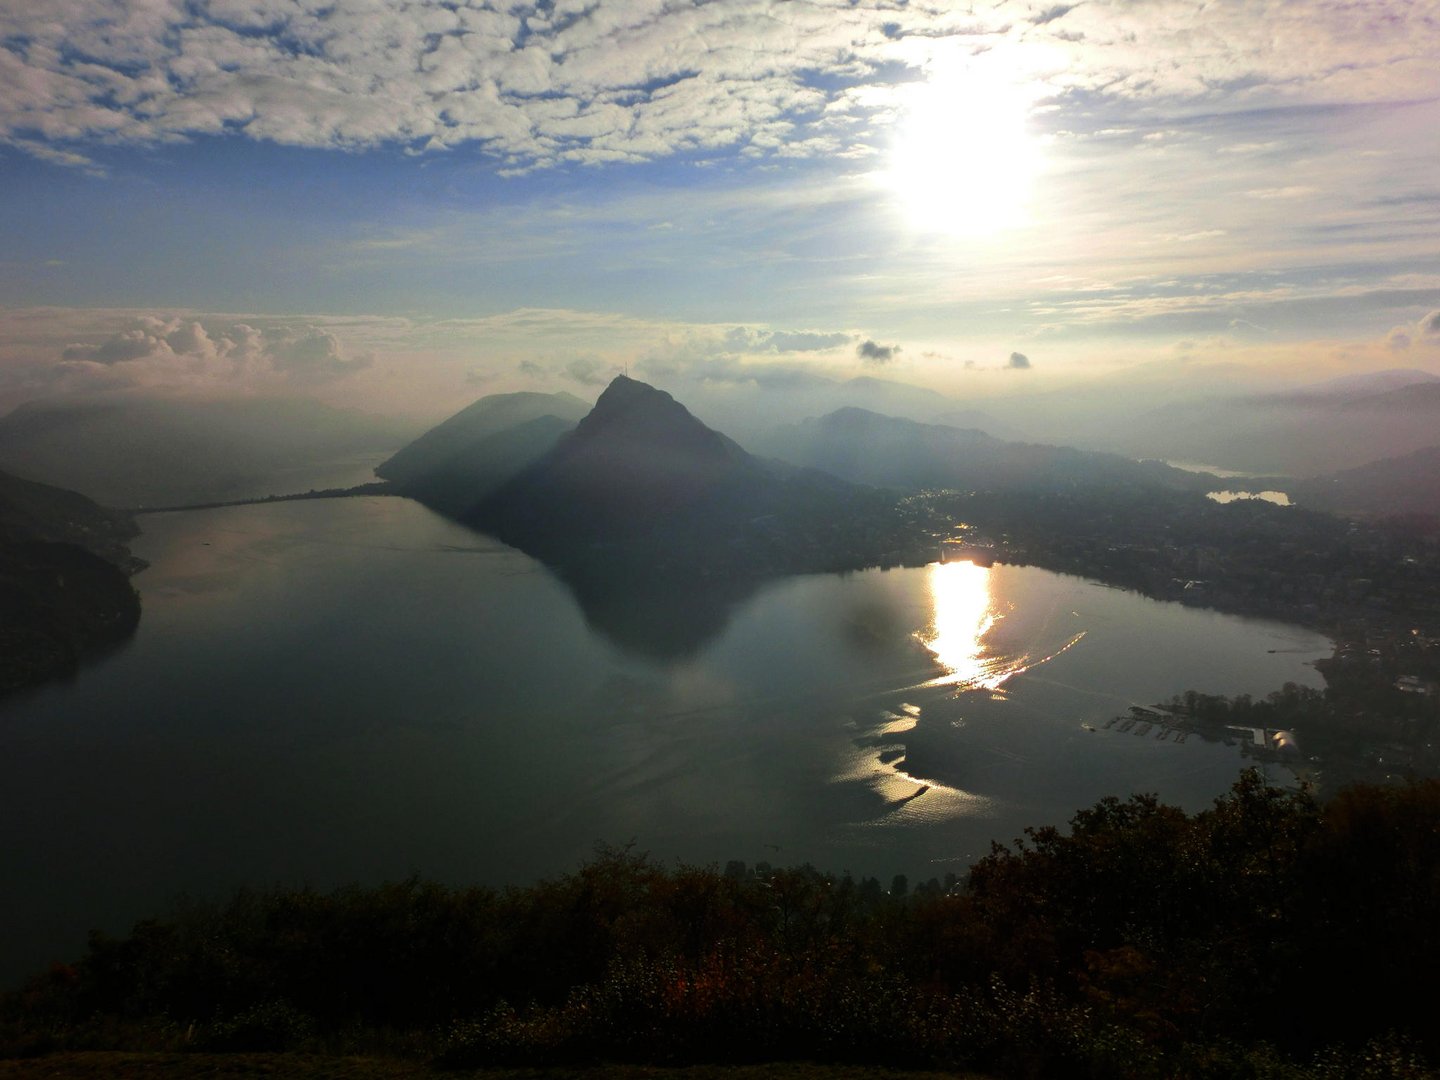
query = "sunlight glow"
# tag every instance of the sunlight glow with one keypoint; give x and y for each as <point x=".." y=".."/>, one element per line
<point x="964" y="160"/>
<point x="962" y="615"/>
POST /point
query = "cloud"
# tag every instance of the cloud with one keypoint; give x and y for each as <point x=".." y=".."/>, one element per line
<point x="872" y="353"/>
<point x="589" y="371"/>
<point x="1018" y="362"/>
<point x="161" y="352"/>
<point x="131" y="345"/>
<point x="1294" y="191"/>
<point x="1426" y="331"/>
<point x="746" y="339"/>
<point x="539" y="84"/>
<point x="532" y="369"/>
<point x="312" y="354"/>
<point x="1049" y="15"/>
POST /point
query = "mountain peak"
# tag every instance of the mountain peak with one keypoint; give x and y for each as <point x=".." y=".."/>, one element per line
<point x="625" y="395"/>
<point x="650" y="422"/>
<point x="622" y="386"/>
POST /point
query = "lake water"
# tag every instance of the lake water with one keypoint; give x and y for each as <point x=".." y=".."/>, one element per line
<point x="1279" y="498"/>
<point x="357" y="690"/>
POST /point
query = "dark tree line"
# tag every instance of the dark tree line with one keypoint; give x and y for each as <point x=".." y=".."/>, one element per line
<point x="1271" y="935"/>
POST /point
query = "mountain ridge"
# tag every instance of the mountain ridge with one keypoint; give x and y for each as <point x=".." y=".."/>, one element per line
<point x="65" y="591"/>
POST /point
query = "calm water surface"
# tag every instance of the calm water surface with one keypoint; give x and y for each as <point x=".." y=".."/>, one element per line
<point x="355" y="690"/>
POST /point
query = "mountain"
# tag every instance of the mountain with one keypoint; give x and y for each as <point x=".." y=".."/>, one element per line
<point x="456" y="485"/>
<point x="39" y="513"/>
<point x="642" y="484"/>
<point x="1296" y="434"/>
<point x="1408" y="484"/>
<point x="1423" y="398"/>
<point x="747" y="409"/>
<point x="458" y="444"/>
<point x="1370" y="382"/>
<point x="866" y="447"/>
<point x="132" y="451"/>
<point x="64" y="581"/>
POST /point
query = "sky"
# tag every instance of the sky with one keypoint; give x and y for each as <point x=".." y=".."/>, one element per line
<point x="401" y="205"/>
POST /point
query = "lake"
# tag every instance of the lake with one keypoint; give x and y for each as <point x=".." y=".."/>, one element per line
<point x="357" y="690"/>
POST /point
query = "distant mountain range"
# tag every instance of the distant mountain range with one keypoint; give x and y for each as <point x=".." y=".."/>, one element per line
<point x="1313" y="431"/>
<point x="456" y="466"/>
<point x="64" y="581"/>
<point x="866" y="447"/>
<point x="749" y="410"/>
<point x="132" y="451"/>
<point x="640" y="494"/>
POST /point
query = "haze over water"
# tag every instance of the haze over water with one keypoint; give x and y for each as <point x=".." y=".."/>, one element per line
<point x="355" y="690"/>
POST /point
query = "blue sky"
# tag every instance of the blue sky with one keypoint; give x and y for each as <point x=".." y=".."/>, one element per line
<point x="401" y="204"/>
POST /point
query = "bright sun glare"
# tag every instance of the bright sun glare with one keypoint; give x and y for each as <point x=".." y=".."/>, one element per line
<point x="963" y="614"/>
<point x="964" y="159"/>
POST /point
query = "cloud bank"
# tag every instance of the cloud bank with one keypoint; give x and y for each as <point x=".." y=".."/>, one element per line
<point x="172" y="353"/>
<point x="538" y="85"/>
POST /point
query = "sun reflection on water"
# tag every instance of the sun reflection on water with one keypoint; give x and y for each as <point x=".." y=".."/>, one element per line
<point x="963" y="611"/>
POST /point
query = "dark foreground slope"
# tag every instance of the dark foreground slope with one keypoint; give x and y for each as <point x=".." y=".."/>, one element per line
<point x="201" y="1065"/>
<point x="64" y="581"/>
<point x="1268" y="936"/>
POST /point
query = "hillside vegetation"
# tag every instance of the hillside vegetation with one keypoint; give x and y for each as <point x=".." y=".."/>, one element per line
<point x="65" y="592"/>
<point x="1142" y="942"/>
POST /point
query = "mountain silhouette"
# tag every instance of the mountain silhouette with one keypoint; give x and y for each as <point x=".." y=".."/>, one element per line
<point x="65" y="592"/>
<point x="866" y="447"/>
<point x="464" y="442"/>
<point x="641" y="484"/>
<point x="637" y="459"/>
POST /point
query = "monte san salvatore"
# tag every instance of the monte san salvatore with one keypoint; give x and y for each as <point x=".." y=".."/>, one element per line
<point x="639" y="481"/>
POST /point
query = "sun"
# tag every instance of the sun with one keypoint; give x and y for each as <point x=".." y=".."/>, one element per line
<point x="964" y="159"/>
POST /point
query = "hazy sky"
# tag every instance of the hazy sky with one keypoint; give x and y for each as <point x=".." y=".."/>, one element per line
<point x="406" y="204"/>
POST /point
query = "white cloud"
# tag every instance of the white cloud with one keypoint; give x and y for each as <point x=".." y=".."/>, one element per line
<point x="383" y="363"/>
<point x="640" y="79"/>
<point x="173" y="353"/>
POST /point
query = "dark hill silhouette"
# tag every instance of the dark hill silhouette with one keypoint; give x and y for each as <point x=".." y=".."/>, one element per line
<point x="462" y="444"/>
<point x="64" y="588"/>
<point x="456" y="484"/>
<point x="641" y="483"/>
<point x="657" y="523"/>
<point x="866" y="447"/>
<point x="638" y="457"/>
<point x="1408" y="484"/>
<point x="35" y="512"/>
